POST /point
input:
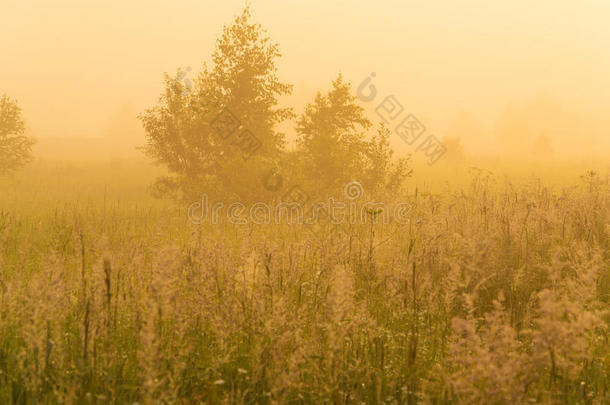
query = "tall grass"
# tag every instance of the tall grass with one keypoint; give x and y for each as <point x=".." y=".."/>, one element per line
<point x="494" y="293"/>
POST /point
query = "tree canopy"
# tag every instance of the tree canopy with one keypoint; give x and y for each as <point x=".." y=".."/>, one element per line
<point x="335" y="150"/>
<point x="15" y="147"/>
<point x="220" y="135"/>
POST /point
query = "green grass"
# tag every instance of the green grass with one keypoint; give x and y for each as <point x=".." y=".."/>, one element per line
<point x="496" y="295"/>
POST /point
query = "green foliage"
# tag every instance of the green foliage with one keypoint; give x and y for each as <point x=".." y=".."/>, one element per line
<point x="384" y="174"/>
<point x="242" y="84"/>
<point x="15" y="147"/>
<point x="497" y="295"/>
<point x="331" y="137"/>
<point x="181" y="131"/>
<point x="334" y="150"/>
<point x="493" y="294"/>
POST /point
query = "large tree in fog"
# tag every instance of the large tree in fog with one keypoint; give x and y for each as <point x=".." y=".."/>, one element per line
<point x="206" y="131"/>
<point x="15" y="147"/>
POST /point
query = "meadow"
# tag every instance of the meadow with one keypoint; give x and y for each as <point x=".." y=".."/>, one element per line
<point x="496" y="292"/>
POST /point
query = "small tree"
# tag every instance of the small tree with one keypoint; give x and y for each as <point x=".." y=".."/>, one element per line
<point x="455" y="150"/>
<point x="197" y="133"/>
<point x="15" y="147"/>
<point x="331" y="137"/>
<point x="384" y="174"/>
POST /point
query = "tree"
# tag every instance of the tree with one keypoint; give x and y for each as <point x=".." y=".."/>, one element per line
<point x="331" y="137"/>
<point x="15" y="147"/>
<point x="455" y="150"/>
<point x="384" y="174"/>
<point x="220" y="135"/>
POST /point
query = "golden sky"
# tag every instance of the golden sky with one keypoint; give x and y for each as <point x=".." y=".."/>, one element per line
<point x="72" y="64"/>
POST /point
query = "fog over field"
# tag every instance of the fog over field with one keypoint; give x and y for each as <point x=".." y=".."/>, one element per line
<point x="304" y="202"/>
<point x="497" y="75"/>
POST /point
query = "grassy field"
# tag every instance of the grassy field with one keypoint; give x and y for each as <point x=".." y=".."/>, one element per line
<point x="494" y="293"/>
